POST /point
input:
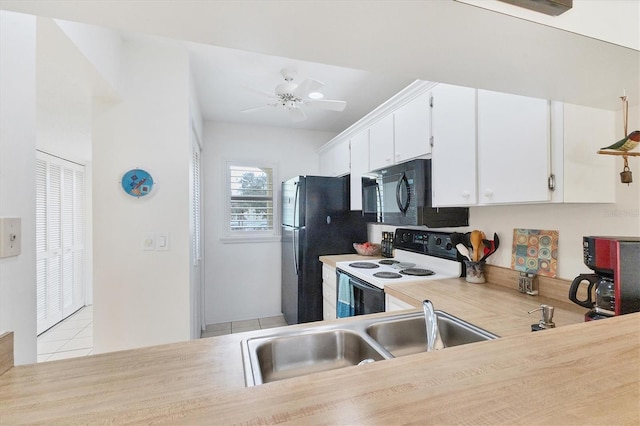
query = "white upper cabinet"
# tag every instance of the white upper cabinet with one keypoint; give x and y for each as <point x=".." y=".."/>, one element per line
<point x="335" y="159"/>
<point x="359" y="166"/>
<point x="513" y="148"/>
<point x="453" y="161"/>
<point x="401" y="135"/>
<point x="412" y="129"/>
<point x="581" y="175"/>
<point x="381" y="143"/>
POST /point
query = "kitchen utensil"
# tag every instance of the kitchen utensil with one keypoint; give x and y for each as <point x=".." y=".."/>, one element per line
<point x="476" y="244"/>
<point x="456" y="238"/>
<point x="490" y="247"/>
<point x="463" y="250"/>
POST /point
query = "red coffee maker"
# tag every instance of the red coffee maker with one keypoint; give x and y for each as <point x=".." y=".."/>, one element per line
<point x="616" y="281"/>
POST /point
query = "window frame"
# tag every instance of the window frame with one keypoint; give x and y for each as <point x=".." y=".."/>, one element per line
<point x="242" y="236"/>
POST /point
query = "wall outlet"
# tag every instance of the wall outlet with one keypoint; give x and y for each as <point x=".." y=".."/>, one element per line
<point x="10" y="236"/>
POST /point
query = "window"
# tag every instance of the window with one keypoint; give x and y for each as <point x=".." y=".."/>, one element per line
<point x="251" y="200"/>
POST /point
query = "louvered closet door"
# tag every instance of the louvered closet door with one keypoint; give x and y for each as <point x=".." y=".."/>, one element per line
<point x="59" y="239"/>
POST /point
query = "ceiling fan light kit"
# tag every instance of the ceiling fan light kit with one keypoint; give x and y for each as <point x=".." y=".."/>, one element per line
<point x="293" y="97"/>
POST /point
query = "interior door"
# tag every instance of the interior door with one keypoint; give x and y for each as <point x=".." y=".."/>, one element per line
<point x="60" y="239"/>
<point x="196" y="281"/>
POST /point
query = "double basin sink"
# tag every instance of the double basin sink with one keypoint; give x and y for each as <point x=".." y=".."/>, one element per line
<point x="319" y="348"/>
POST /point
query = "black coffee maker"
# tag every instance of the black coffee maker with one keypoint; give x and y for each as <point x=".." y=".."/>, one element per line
<point x="615" y="285"/>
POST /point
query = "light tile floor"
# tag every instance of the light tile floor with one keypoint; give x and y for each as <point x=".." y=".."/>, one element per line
<point x="240" y="326"/>
<point x="70" y="338"/>
<point x="73" y="337"/>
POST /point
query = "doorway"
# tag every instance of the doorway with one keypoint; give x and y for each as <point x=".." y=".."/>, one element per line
<point x="60" y="239"/>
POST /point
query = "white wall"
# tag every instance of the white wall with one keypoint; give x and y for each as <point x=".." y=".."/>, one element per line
<point x="141" y="297"/>
<point x="102" y="48"/>
<point x="243" y="280"/>
<point x="17" y="178"/>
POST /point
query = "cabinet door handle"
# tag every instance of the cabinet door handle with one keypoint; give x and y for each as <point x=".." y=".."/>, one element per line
<point x="488" y="193"/>
<point x="466" y="194"/>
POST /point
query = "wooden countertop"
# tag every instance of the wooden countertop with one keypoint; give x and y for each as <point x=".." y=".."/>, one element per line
<point x="578" y="373"/>
<point x="493" y="307"/>
<point x="586" y="373"/>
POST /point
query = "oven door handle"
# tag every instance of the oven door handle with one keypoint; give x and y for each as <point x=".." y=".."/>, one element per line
<point x="365" y="286"/>
<point x="403" y="206"/>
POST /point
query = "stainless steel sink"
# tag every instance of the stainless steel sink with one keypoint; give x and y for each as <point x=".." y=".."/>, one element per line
<point x="279" y="358"/>
<point x="407" y="336"/>
<point x="291" y="353"/>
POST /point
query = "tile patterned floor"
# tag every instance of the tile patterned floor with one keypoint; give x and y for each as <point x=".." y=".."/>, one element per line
<point x="73" y="337"/>
<point x="240" y="326"/>
<point x="70" y="338"/>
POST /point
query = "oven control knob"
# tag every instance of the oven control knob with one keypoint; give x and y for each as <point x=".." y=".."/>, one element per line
<point x="449" y="246"/>
<point x="406" y="237"/>
<point x="438" y="241"/>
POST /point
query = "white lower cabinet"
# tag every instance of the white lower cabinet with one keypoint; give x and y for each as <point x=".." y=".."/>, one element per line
<point x="329" y="292"/>
<point x="395" y="304"/>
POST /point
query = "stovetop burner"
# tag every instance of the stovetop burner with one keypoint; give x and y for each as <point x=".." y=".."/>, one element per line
<point x="417" y="272"/>
<point x="387" y="274"/>
<point x="388" y="262"/>
<point x="364" y="265"/>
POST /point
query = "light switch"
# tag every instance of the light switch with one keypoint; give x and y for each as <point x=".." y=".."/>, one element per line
<point x="10" y="236"/>
<point x="162" y="241"/>
<point x="149" y="241"/>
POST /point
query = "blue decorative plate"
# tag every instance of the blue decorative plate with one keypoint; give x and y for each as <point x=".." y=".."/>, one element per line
<point x="137" y="183"/>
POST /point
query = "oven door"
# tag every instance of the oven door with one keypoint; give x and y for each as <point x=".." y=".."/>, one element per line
<point x="356" y="297"/>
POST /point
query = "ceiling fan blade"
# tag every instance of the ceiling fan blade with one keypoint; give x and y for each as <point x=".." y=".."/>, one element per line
<point x="306" y="87"/>
<point x="297" y="114"/>
<point x="258" y="108"/>
<point x="261" y="92"/>
<point x="327" y="104"/>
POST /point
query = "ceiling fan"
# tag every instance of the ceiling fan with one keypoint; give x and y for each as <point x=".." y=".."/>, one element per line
<point x="294" y="97"/>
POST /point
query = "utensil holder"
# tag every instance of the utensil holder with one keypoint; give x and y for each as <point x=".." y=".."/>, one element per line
<point x="475" y="272"/>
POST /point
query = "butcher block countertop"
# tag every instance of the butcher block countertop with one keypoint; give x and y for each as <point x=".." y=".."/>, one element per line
<point x="578" y="373"/>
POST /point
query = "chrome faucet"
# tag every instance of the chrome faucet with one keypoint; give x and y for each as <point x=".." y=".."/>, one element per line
<point x="434" y="341"/>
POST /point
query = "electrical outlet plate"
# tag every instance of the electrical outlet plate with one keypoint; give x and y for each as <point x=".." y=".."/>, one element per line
<point x="10" y="236"/>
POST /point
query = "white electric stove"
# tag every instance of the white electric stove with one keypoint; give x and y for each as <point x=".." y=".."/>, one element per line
<point x="419" y="255"/>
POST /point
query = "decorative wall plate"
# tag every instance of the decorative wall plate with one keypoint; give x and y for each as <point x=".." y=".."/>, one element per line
<point x="535" y="251"/>
<point x="137" y="183"/>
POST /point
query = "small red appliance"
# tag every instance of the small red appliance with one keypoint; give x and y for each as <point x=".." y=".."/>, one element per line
<point x="614" y="288"/>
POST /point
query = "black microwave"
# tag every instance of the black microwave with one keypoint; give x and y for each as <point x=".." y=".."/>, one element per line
<point x="401" y="195"/>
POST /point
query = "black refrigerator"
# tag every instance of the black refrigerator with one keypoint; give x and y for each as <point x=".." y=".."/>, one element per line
<point x="316" y="220"/>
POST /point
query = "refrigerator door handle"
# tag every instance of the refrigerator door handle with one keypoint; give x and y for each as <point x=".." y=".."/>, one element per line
<point x="295" y="251"/>
<point x="295" y="206"/>
<point x="295" y="231"/>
